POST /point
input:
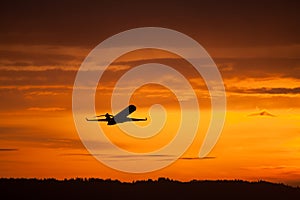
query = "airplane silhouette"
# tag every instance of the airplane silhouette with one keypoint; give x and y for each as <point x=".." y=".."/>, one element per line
<point x="262" y="113"/>
<point x="118" y="118"/>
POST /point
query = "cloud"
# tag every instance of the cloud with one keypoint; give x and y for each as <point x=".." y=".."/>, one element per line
<point x="176" y="62"/>
<point x="36" y="136"/>
<point x="41" y="141"/>
<point x="115" y="68"/>
<point x="141" y="156"/>
<point x="8" y="149"/>
<point x="232" y="68"/>
<point x="46" y="109"/>
<point x="196" y="158"/>
<point x="35" y="97"/>
<point x="122" y="157"/>
<point x="42" y="77"/>
<point x="60" y="143"/>
<point x="289" y="51"/>
<point x="41" y="57"/>
<point x="281" y="169"/>
<point x="75" y="154"/>
<point x="135" y="157"/>
<point x="6" y="130"/>
<point x="45" y="49"/>
<point x="241" y="68"/>
<point x="264" y="90"/>
<point x="44" y="93"/>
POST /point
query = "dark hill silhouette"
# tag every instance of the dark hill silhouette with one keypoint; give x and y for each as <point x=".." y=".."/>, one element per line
<point x="158" y="189"/>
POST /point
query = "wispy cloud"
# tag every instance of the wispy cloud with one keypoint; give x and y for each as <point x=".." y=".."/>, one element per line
<point x="279" y="51"/>
<point x="196" y="158"/>
<point x="75" y="154"/>
<point x="36" y="136"/>
<point x="115" y="68"/>
<point x="264" y="90"/>
<point x="41" y="57"/>
<point x="43" y="77"/>
<point x="282" y="168"/>
<point x="61" y="143"/>
<point x="44" y="93"/>
<point x="126" y="157"/>
<point x="8" y="149"/>
<point x="46" y="109"/>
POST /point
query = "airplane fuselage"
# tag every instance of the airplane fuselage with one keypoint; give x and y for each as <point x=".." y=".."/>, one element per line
<point x="121" y="117"/>
<point x="111" y="121"/>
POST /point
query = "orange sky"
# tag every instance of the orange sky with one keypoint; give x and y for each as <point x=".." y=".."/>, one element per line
<point x="255" y="46"/>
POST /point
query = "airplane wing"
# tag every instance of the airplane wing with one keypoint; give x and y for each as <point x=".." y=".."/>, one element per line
<point x="262" y="113"/>
<point x="122" y="116"/>
<point x="254" y="114"/>
<point x="269" y="114"/>
<point x="103" y="115"/>
<point x="98" y="120"/>
<point x="135" y="119"/>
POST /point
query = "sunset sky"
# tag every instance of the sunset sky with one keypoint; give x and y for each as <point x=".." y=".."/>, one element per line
<point x="255" y="45"/>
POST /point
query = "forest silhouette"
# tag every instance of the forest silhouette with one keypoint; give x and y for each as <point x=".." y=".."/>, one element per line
<point x="162" y="188"/>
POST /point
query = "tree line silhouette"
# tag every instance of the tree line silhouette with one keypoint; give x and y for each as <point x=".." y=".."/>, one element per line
<point x="163" y="188"/>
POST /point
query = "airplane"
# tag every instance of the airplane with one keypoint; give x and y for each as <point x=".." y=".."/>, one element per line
<point x="262" y="113"/>
<point x="118" y="118"/>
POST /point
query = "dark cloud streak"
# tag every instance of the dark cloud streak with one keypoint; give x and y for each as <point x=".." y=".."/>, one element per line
<point x="43" y="77"/>
<point x="8" y="149"/>
<point x="241" y="68"/>
<point x="13" y="58"/>
<point x="33" y="136"/>
<point x="264" y="90"/>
